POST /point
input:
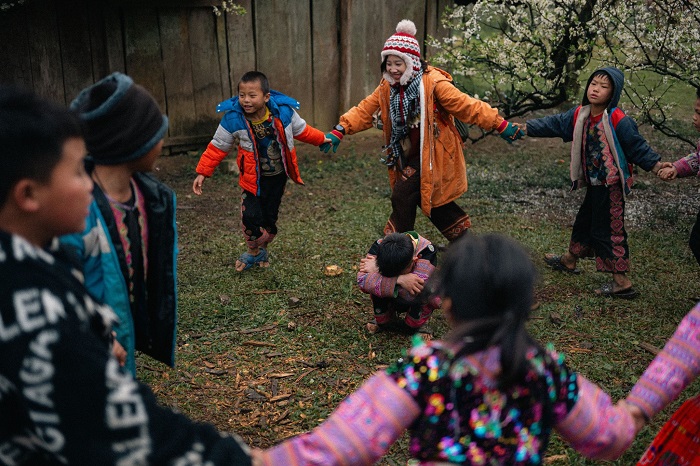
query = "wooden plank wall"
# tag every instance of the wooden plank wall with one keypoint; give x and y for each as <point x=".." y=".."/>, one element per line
<point x="324" y="53"/>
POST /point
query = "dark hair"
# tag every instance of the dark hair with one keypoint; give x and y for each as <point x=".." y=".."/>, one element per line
<point x="32" y="134"/>
<point x="490" y="280"/>
<point x="382" y="67"/>
<point x="251" y="76"/>
<point x="394" y="254"/>
<point x="697" y="92"/>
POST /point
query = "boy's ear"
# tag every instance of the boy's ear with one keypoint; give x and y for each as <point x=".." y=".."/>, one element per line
<point x="24" y="195"/>
<point x="267" y="97"/>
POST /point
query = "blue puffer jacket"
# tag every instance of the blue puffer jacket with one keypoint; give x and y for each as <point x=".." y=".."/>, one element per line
<point x="103" y="260"/>
<point x="627" y="147"/>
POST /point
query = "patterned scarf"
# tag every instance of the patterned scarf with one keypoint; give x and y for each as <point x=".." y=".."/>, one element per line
<point x="404" y="105"/>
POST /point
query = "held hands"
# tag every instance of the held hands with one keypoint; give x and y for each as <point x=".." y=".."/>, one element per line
<point x="333" y="138"/>
<point x="636" y="413"/>
<point x="666" y="171"/>
<point x="510" y="131"/>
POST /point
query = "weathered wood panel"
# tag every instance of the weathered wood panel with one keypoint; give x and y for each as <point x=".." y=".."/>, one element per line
<point x="114" y="40"/>
<point x="284" y="50"/>
<point x="143" y="50"/>
<point x="207" y="82"/>
<point x="45" y="51"/>
<point x="324" y="53"/>
<point x="326" y="63"/>
<point x="76" y="49"/>
<point x="241" y="44"/>
<point x="366" y="25"/>
<point x="177" y="69"/>
<point x="15" y="63"/>
<point x="433" y="25"/>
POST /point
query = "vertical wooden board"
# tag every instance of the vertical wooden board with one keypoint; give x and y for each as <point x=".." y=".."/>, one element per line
<point x="115" y="38"/>
<point x="365" y="39"/>
<point x="371" y="23"/>
<point x="326" y="62"/>
<point x="98" y="43"/>
<point x="222" y="51"/>
<point x="143" y="51"/>
<point x="206" y="78"/>
<point x="434" y="28"/>
<point x="284" y="49"/>
<point x="177" y="69"/>
<point x="241" y="43"/>
<point x="76" y="50"/>
<point x="16" y="66"/>
<point x="44" y="50"/>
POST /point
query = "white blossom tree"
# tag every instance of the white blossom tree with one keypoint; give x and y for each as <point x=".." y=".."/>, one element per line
<point x="530" y="53"/>
<point x="656" y="42"/>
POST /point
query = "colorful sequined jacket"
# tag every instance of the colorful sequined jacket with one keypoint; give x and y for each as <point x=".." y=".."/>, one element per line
<point x="456" y="414"/>
<point x="690" y="164"/>
<point x="620" y="136"/>
<point x="386" y="287"/>
<point x="101" y="253"/>
<point x="234" y="126"/>
<point x="673" y="369"/>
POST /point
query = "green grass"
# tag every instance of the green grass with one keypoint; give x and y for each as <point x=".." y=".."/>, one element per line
<point x="519" y="190"/>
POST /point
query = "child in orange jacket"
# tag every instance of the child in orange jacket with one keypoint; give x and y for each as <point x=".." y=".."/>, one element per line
<point x="417" y="105"/>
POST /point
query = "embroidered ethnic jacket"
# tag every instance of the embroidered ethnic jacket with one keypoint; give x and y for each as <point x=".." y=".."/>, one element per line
<point x="443" y="172"/>
<point x="386" y="287"/>
<point x="234" y="126"/>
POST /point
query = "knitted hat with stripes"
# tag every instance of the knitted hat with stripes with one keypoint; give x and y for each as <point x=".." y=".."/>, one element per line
<point x="404" y="45"/>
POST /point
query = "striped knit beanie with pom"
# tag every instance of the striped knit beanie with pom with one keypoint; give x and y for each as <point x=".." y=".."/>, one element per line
<point x="404" y="44"/>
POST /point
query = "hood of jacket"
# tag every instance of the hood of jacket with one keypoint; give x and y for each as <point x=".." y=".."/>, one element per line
<point x="276" y="99"/>
<point x="618" y="79"/>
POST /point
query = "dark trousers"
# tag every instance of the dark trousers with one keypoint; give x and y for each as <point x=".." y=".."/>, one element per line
<point x="259" y="213"/>
<point x="694" y="241"/>
<point x="599" y="229"/>
<point x="450" y="218"/>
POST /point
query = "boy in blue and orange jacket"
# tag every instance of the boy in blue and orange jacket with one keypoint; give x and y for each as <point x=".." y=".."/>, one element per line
<point x="265" y="123"/>
<point x="605" y="144"/>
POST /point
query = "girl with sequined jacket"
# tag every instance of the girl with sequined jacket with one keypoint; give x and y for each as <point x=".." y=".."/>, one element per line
<point x="487" y="394"/>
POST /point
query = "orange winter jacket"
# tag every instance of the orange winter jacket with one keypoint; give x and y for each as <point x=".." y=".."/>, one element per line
<point x="443" y="170"/>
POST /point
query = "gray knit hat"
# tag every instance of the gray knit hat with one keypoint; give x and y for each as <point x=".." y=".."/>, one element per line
<point x="121" y="120"/>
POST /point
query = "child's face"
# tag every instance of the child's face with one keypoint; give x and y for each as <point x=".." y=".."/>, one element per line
<point x="599" y="91"/>
<point x="395" y="66"/>
<point x="252" y="99"/>
<point x="696" y="115"/>
<point x="63" y="202"/>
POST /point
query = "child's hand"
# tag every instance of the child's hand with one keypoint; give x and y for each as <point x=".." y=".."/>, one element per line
<point x="118" y="351"/>
<point x="639" y="419"/>
<point x="333" y="138"/>
<point x="510" y="131"/>
<point x="668" y="173"/>
<point x="369" y="264"/>
<point x="411" y="283"/>
<point x="197" y="185"/>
